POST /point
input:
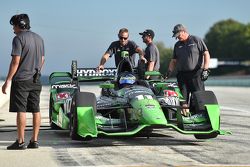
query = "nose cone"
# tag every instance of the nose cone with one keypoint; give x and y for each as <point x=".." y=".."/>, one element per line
<point x="151" y="112"/>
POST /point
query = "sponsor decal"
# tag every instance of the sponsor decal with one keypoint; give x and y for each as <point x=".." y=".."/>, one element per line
<point x="173" y="85"/>
<point x="62" y="96"/>
<point x="133" y="91"/>
<point x="148" y="97"/>
<point x="170" y="93"/>
<point x="94" y="73"/>
<point x="56" y="86"/>
<point x="139" y="97"/>
<point x="174" y="101"/>
<point x="150" y="106"/>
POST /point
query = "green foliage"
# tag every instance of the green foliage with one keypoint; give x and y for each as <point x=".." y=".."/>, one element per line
<point x="228" y="40"/>
<point x="165" y="56"/>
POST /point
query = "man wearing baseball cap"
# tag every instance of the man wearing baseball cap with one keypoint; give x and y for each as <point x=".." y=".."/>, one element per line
<point x="191" y="60"/>
<point x="151" y="52"/>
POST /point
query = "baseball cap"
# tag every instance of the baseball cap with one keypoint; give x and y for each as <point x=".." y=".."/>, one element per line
<point x="177" y="29"/>
<point x="148" y="32"/>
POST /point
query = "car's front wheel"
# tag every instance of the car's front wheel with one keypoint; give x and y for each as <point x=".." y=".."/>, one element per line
<point x="52" y="124"/>
<point x="199" y="100"/>
<point x="81" y="99"/>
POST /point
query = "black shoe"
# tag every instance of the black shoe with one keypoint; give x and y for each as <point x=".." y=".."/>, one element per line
<point x="33" y="144"/>
<point x="17" y="146"/>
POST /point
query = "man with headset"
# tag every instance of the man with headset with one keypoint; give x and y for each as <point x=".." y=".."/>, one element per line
<point x="24" y="77"/>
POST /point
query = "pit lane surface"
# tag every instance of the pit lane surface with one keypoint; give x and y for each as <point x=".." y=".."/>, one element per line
<point x="166" y="148"/>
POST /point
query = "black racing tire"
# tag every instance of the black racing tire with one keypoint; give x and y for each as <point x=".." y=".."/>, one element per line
<point x="52" y="125"/>
<point x="81" y="99"/>
<point x="146" y="132"/>
<point x="199" y="99"/>
<point x="74" y="69"/>
<point x="206" y="136"/>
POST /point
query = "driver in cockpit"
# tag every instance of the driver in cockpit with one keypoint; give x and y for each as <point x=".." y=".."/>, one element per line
<point x="126" y="79"/>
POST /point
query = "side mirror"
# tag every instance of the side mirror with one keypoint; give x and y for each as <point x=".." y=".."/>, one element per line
<point x="124" y="54"/>
<point x="107" y="85"/>
<point x="152" y="73"/>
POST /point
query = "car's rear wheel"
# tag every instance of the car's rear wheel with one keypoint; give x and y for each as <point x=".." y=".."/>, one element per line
<point x="81" y="99"/>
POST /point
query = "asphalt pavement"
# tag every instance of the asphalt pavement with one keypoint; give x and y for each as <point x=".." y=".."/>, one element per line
<point x="165" y="148"/>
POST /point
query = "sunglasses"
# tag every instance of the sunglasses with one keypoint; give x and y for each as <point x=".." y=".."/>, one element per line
<point x="121" y="38"/>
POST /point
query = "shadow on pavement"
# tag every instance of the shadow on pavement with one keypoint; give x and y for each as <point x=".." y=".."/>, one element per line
<point x="61" y="139"/>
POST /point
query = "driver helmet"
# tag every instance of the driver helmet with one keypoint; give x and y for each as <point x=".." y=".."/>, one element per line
<point x="127" y="79"/>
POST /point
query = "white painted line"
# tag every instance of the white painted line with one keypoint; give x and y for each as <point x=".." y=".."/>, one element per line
<point x="233" y="109"/>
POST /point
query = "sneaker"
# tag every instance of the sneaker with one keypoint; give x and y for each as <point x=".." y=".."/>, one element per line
<point x="33" y="144"/>
<point x="17" y="146"/>
<point x="185" y="112"/>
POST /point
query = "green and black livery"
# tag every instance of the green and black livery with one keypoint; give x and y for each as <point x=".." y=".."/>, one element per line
<point x="129" y="111"/>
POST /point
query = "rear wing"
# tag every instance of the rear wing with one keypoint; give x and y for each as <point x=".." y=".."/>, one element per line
<point x="86" y="74"/>
<point x="92" y="75"/>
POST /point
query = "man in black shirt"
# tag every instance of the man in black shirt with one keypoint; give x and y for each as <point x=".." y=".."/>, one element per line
<point x="123" y="44"/>
<point x="191" y="60"/>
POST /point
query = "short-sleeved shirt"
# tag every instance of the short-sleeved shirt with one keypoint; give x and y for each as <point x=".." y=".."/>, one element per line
<point x="115" y="48"/>
<point x="152" y="54"/>
<point x="189" y="54"/>
<point x="30" y="47"/>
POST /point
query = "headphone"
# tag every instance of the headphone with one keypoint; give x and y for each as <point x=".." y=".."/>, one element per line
<point x="22" y="21"/>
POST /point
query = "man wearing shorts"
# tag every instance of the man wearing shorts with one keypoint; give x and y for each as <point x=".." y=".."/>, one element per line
<point x="24" y="77"/>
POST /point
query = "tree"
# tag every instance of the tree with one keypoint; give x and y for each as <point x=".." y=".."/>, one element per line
<point x="229" y="40"/>
<point x="165" y="56"/>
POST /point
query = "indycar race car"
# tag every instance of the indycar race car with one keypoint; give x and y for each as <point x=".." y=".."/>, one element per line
<point x="129" y="108"/>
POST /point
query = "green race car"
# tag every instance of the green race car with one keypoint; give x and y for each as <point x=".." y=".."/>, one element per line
<point x="131" y="110"/>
